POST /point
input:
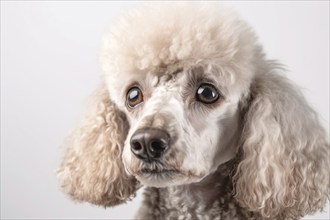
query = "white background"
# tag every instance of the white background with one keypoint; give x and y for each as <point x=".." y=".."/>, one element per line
<point x="49" y="65"/>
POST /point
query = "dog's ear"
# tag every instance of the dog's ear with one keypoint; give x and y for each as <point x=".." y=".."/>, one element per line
<point x="92" y="169"/>
<point x="285" y="152"/>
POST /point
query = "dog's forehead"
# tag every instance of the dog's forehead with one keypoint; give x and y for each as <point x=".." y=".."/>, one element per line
<point x="177" y="76"/>
<point x="170" y="75"/>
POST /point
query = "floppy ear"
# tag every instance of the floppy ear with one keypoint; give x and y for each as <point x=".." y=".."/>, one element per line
<point x="284" y="169"/>
<point x="92" y="169"/>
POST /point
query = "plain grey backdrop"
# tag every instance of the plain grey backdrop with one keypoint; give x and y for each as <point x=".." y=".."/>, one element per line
<point x="49" y="65"/>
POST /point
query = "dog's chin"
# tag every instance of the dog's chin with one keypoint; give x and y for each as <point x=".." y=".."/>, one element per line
<point x="164" y="178"/>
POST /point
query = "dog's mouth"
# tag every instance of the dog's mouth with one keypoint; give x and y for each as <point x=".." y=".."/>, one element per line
<point x="164" y="177"/>
<point x="158" y="172"/>
<point x="158" y="177"/>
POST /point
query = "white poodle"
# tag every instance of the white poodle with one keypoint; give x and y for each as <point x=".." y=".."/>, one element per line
<point x="191" y="109"/>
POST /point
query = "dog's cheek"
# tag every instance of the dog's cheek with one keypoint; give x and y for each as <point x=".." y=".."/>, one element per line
<point x="226" y="145"/>
<point x="174" y="158"/>
<point x="197" y="160"/>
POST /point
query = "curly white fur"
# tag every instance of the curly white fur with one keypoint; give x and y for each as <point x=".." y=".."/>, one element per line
<point x="259" y="152"/>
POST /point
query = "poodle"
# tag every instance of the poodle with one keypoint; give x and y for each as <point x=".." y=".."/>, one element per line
<point x="191" y="109"/>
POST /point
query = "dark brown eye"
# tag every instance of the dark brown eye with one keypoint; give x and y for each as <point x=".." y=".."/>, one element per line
<point x="134" y="97"/>
<point x="207" y="94"/>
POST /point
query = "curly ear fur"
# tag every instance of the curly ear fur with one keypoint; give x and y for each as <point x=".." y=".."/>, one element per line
<point x="92" y="168"/>
<point x="285" y="152"/>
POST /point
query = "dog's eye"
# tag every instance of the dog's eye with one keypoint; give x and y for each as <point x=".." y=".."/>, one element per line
<point x="134" y="97"/>
<point x="207" y="93"/>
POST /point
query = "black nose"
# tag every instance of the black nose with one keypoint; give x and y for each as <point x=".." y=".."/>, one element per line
<point x="149" y="144"/>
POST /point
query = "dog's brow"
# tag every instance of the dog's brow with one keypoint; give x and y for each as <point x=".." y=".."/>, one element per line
<point x="178" y="70"/>
<point x="197" y="74"/>
<point x="171" y="74"/>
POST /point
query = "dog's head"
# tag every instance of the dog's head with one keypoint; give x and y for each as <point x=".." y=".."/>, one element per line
<point x="185" y="88"/>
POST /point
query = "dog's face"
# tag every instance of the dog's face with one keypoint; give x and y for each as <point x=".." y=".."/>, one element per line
<point x="183" y="124"/>
<point x="179" y="86"/>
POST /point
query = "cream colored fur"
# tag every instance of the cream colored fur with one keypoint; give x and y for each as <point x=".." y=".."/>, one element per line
<point x="263" y="122"/>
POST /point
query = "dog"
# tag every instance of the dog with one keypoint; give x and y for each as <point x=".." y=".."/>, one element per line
<point x="190" y="108"/>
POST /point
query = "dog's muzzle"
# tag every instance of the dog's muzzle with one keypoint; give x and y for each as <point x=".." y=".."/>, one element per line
<point x="149" y="144"/>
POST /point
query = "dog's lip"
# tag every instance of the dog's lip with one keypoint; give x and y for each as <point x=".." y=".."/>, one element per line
<point x="156" y="171"/>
